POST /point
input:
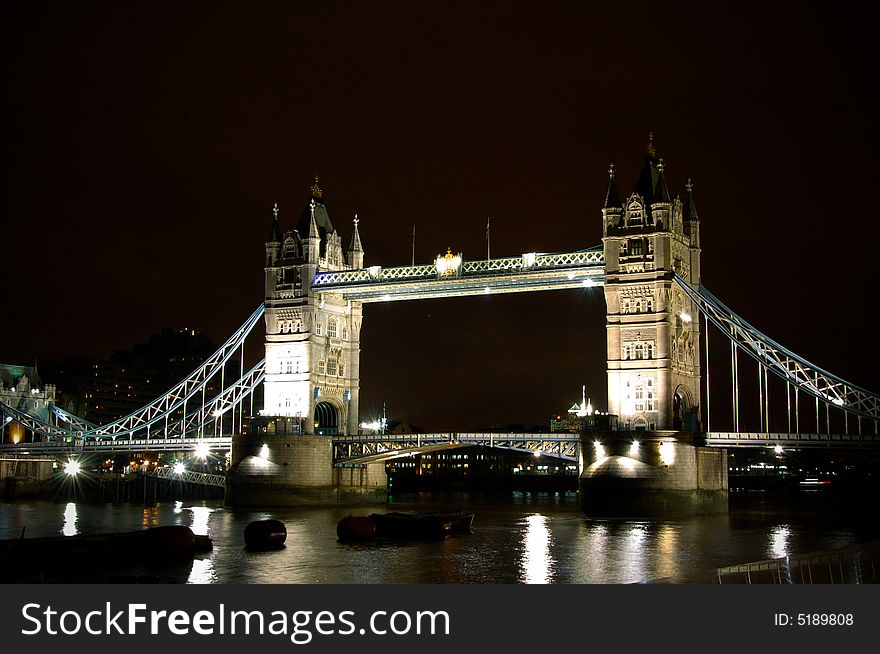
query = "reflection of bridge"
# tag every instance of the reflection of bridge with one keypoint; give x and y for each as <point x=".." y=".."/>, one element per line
<point x="648" y="267"/>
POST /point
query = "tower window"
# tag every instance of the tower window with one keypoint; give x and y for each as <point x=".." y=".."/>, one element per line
<point x="322" y="366"/>
<point x="319" y="329"/>
<point x="635" y="247"/>
<point x="332" y="328"/>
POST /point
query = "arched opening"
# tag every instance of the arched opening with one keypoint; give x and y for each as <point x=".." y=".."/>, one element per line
<point x="683" y="410"/>
<point x="677" y="411"/>
<point x="326" y="419"/>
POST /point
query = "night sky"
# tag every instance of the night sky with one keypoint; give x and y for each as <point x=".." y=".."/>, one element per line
<point x="147" y="142"/>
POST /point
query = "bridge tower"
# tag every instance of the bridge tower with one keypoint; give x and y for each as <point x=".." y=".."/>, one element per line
<point x="312" y="340"/>
<point x="653" y="329"/>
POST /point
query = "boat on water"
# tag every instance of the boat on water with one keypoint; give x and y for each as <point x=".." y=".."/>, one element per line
<point x="400" y="525"/>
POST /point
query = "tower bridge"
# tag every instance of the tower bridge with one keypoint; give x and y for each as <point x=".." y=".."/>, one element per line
<point x="657" y="362"/>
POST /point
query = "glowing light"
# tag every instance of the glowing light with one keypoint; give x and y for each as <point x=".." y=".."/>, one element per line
<point x="536" y="564"/>
<point x="217" y="413"/>
<point x="374" y="271"/>
<point x="777" y="449"/>
<point x="448" y="264"/>
<point x="634" y="448"/>
<point x="202" y="450"/>
<point x="487" y="290"/>
<point x="667" y="453"/>
<point x="179" y="468"/>
<point x="264" y="451"/>
<point x="837" y="401"/>
<point x="685" y="317"/>
<point x="600" y="449"/>
<point x="528" y="259"/>
<point x="70" y="520"/>
<point x="537" y="453"/>
<point x="72" y="468"/>
<point x="570" y="276"/>
<point x="588" y="283"/>
<point x="778" y="546"/>
<point x="386" y="297"/>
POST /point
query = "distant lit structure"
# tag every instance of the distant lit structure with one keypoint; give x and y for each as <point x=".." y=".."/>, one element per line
<point x="22" y="388"/>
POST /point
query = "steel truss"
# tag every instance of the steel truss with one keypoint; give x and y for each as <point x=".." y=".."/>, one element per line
<point x="387" y="446"/>
<point x="163" y="409"/>
<point x="187" y="477"/>
<point x="794" y="369"/>
<point x="529" y="272"/>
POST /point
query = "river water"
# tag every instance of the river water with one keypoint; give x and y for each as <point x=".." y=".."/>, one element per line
<point x="517" y="538"/>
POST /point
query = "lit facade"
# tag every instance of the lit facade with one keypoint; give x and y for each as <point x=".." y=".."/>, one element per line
<point x="653" y="330"/>
<point x="312" y="340"/>
<point x="22" y="389"/>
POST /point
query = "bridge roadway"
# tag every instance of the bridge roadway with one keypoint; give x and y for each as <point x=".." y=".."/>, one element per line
<point x="375" y="447"/>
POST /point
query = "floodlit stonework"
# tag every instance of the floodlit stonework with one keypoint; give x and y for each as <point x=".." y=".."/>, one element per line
<point x="312" y="340"/>
<point x="653" y="329"/>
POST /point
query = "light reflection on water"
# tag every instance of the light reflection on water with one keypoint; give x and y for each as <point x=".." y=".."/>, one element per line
<point x="536" y="566"/>
<point x="69" y="528"/>
<point x="523" y="540"/>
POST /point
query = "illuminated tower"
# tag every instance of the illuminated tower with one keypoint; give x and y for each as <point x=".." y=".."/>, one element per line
<point x="653" y="330"/>
<point x="312" y="340"/>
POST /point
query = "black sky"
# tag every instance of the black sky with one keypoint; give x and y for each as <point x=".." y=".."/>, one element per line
<point x="147" y="142"/>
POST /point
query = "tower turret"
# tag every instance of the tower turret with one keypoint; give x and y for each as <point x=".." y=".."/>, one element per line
<point x="653" y="334"/>
<point x="355" y="249"/>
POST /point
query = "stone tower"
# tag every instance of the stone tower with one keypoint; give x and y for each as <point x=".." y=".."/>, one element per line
<point x="312" y="340"/>
<point x="653" y="329"/>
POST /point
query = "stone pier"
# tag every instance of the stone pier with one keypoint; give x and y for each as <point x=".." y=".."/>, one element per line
<point x="294" y="470"/>
<point x="650" y="474"/>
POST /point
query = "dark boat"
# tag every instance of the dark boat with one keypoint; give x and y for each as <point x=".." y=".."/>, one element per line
<point x="399" y="525"/>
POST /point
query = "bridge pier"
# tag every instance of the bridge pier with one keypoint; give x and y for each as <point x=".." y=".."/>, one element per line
<point x="295" y="470"/>
<point x="655" y="474"/>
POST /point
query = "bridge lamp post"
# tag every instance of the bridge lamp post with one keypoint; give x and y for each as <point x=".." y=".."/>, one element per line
<point x="179" y="468"/>
<point x="777" y="449"/>
<point x="72" y="468"/>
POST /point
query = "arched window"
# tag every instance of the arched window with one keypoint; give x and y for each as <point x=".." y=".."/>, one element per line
<point x="638" y="306"/>
<point x="322" y="366"/>
<point x="332" y="331"/>
<point x="282" y="327"/>
<point x="344" y="333"/>
<point x="319" y="328"/>
<point x="331" y="367"/>
<point x="649" y="351"/>
<point x="625" y="307"/>
<point x="298" y="326"/>
<point x="649" y="307"/>
<point x="649" y="400"/>
<point x="341" y="369"/>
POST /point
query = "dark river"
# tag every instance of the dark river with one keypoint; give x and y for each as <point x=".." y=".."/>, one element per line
<point x="517" y="538"/>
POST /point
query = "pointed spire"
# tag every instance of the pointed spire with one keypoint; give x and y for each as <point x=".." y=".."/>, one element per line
<point x="275" y="231"/>
<point x="661" y="192"/>
<point x="690" y="209"/>
<point x="612" y="197"/>
<point x="355" y="238"/>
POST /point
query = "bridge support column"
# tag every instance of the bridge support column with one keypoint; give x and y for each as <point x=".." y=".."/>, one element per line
<point x="650" y="474"/>
<point x="294" y="470"/>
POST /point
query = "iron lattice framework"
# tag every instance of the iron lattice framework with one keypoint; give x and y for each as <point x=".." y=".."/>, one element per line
<point x="187" y="477"/>
<point x="170" y="408"/>
<point x="529" y="272"/>
<point x="794" y="369"/>
<point x="59" y="446"/>
<point x="387" y="446"/>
